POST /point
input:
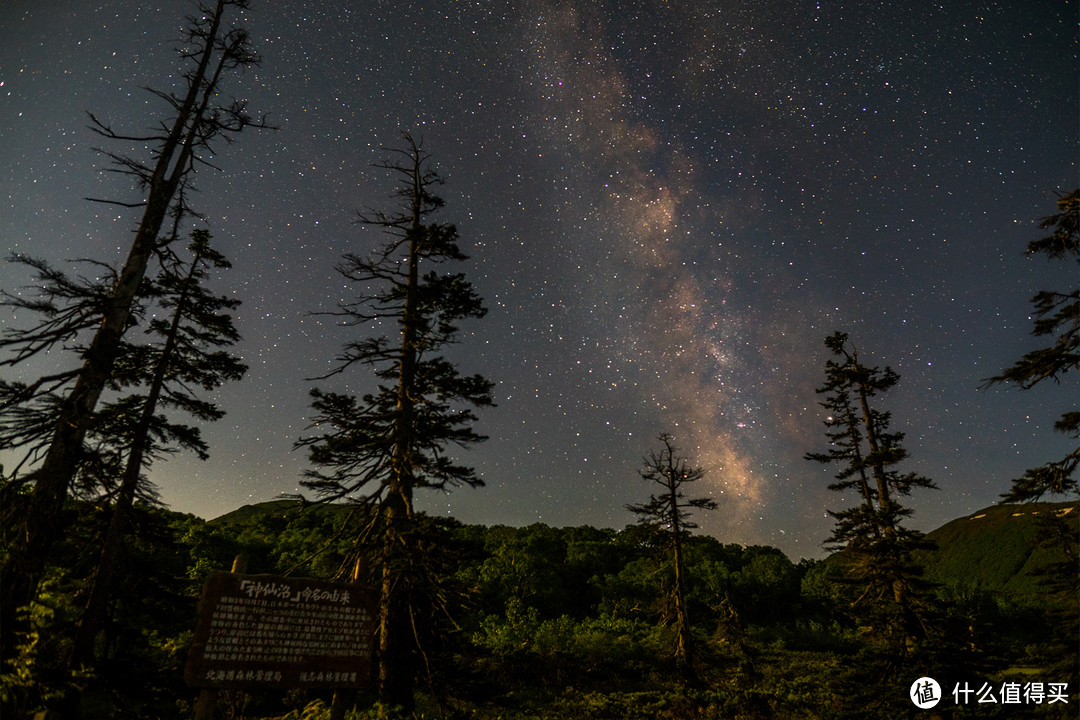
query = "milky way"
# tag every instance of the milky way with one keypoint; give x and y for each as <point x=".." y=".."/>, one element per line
<point x="668" y="206"/>
<point x="662" y="283"/>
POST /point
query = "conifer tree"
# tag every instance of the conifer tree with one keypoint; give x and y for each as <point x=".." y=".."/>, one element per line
<point x="68" y="307"/>
<point x="667" y="513"/>
<point x="878" y="548"/>
<point x="1057" y="315"/>
<point x="380" y="448"/>
<point x="186" y="353"/>
<point x="213" y="49"/>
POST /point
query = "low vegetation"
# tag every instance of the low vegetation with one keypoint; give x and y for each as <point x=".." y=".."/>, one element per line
<point x="542" y="622"/>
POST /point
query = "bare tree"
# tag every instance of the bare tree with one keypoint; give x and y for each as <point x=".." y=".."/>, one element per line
<point x="668" y="512"/>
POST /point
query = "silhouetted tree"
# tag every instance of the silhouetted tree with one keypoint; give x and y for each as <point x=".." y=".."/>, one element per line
<point x="1056" y="315"/>
<point x="186" y="354"/>
<point x="876" y="545"/>
<point x="68" y="307"/>
<point x="667" y="512"/>
<point x="380" y="448"/>
<point x="212" y="49"/>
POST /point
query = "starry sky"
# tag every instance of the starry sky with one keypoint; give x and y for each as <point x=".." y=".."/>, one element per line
<point x="668" y="206"/>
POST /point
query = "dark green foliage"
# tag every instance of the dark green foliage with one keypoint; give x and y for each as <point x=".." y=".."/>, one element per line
<point x="542" y="622"/>
<point x="143" y="644"/>
<point x="996" y="549"/>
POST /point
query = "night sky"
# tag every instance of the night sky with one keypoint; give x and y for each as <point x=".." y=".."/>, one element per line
<point x="668" y="206"/>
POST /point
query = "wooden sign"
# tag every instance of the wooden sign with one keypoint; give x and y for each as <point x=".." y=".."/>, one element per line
<point x="265" y="631"/>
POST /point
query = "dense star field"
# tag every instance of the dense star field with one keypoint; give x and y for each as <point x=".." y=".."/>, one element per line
<point x="668" y="206"/>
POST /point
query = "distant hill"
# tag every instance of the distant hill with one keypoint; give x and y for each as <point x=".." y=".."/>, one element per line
<point x="274" y="514"/>
<point x="246" y="513"/>
<point x="995" y="548"/>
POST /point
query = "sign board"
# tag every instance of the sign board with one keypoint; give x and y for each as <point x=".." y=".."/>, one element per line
<point x="265" y="631"/>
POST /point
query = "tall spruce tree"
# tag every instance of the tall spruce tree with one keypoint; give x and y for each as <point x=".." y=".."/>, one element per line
<point x="667" y="513"/>
<point x="213" y="49"/>
<point x="380" y="448"/>
<point x="890" y="597"/>
<point x="186" y="352"/>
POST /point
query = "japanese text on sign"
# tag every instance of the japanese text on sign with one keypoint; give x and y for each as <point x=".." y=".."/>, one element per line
<point x="266" y="631"/>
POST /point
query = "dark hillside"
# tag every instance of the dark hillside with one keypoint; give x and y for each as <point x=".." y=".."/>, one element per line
<point x="996" y="549"/>
<point x="245" y="514"/>
<point x="993" y="549"/>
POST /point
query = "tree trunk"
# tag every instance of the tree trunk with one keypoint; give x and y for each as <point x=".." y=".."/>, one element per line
<point x="856" y="448"/>
<point x="25" y="562"/>
<point x="101" y="590"/>
<point x="395" y="635"/>
<point x="884" y="496"/>
<point x="684" y="649"/>
<point x="888" y="525"/>
<point x="396" y="638"/>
